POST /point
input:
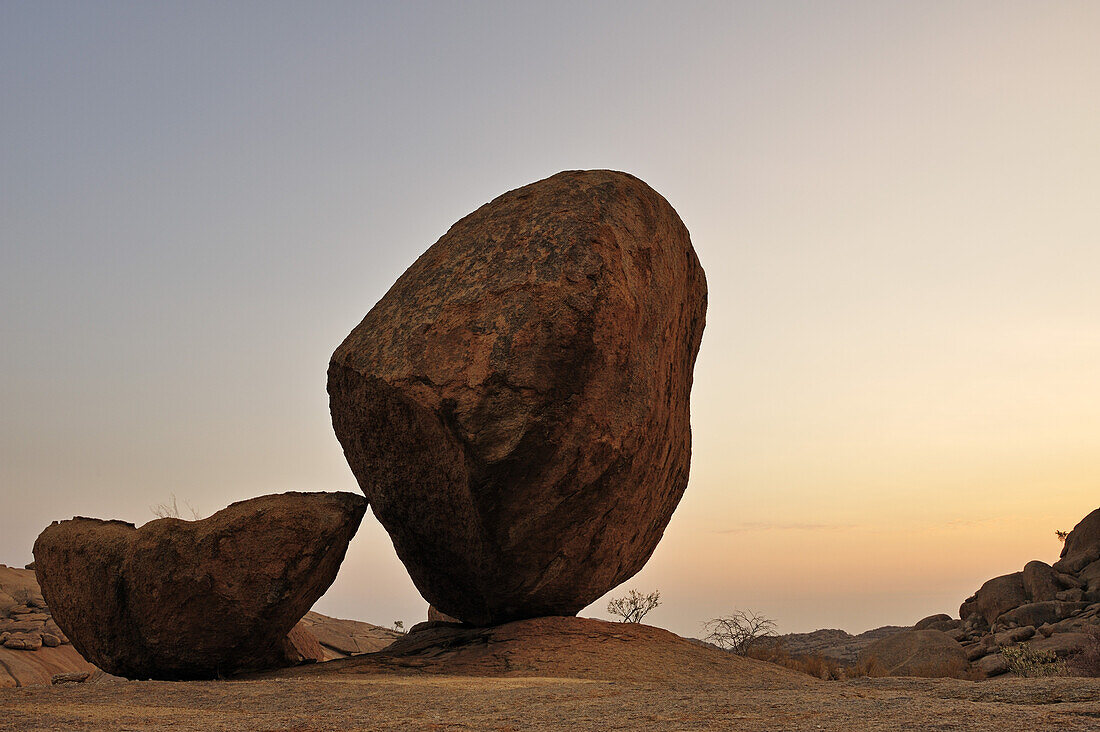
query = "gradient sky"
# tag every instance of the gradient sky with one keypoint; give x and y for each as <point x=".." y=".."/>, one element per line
<point x="897" y="206"/>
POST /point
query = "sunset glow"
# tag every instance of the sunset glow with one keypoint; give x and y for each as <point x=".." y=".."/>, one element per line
<point x="897" y="207"/>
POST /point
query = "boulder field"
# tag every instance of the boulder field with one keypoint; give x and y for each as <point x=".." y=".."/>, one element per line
<point x="516" y="406"/>
<point x="178" y="599"/>
<point x="1049" y="607"/>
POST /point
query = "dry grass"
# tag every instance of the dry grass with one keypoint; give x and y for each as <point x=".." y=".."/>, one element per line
<point x="747" y="698"/>
<point x="773" y="650"/>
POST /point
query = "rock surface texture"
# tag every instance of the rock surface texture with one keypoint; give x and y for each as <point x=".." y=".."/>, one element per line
<point x="196" y="599"/>
<point x="515" y="408"/>
<point x="567" y="647"/>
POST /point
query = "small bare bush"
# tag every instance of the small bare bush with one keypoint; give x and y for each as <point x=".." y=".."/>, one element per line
<point x="1023" y="660"/>
<point x="739" y="631"/>
<point x="172" y="510"/>
<point x="633" y="607"/>
<point x="1086" y="661"/>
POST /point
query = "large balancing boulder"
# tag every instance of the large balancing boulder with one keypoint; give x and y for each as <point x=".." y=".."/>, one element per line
<point x="195" y="599"/>
<point x="515" y="408"/>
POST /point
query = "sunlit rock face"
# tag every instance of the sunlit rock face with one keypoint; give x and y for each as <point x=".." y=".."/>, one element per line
<point x="196" y="599"/>
<point x="515" y="408"/>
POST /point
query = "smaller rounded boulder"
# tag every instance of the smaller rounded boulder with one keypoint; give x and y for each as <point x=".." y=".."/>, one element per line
<point x="181" y="599"/>
<point x="927" y="653"/>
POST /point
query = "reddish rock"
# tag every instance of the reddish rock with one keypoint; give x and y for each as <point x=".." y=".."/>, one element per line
<point x="563" y="647"/>
<point x="23" y="641"/>
<point x="928" y="653"/>
<point x="30" y="668"/>
<point x="1063" y="644"/>
<point x="1090" y="575"/>
<point x="515" y="408"/>
<point x="995" y="597"/>
<point x="1082" y="546"/>
<point x="1040" y="582"/>
<point x="992" y="665"/>
<point x="434" y="616"/>
<point x="940" y="621"/>
<point x="72" y="677"/>
<point x="19" y="591"/>
<point x="340" y="638"/>
<point x="194" y="599"/>
<point x="1068" y="580"/>
<point x="1041" y="613"/>
<point x="301" y="646"/>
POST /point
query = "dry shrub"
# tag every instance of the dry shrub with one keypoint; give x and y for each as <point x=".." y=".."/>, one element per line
<point x="866" y="667"/>
<point x="739" y="631"/>
<point x="633" y="607"/>
<point x="953" y="668"/>
<point x="1086" y="661"/>
<point x="772" y="650"/>
<point x="1025" y="661"/>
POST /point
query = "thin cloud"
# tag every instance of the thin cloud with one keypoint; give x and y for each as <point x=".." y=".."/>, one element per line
<point x="772" y="526"/>
<point x="969" y="522"/>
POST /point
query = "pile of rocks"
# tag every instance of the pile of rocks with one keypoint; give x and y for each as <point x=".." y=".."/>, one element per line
<point x="1051" y="607"/>
<point x="515" y="408"/>
<point x="33" y="648"/>
<point x="25" y="622"/>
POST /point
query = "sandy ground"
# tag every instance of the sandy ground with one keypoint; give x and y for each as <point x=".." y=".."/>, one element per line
<point x="469" y="703"/>
<point x="554" y="674"/>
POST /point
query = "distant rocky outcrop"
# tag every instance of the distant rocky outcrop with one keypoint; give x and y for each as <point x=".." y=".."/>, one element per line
<point x="342" y="638"/>
<point x="1049" y="607"/>
<point x="516" y="406"/>
<point x="929" y="653"/>
<point x="834" y="644"/>
<point x="197" y="599"/>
